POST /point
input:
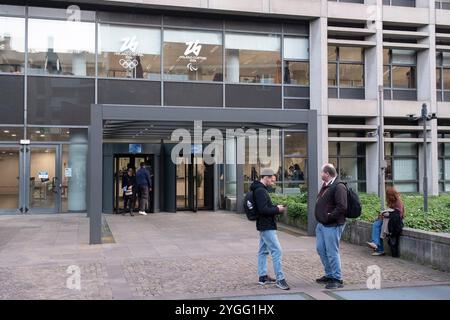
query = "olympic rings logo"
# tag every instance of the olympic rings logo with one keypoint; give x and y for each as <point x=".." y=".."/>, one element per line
<point x="128" y="64"/>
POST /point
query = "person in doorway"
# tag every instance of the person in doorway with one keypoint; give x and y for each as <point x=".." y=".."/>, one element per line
<point x="393" y="202"/>
<point x="129" y="191"/>
<point x="267" y="226"/>
<point x="144" y="183"/>
<point x="330" y="209"/>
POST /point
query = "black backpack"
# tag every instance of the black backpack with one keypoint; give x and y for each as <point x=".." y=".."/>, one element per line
<point x="354" y="209"/>
<point x="250" y="206"/>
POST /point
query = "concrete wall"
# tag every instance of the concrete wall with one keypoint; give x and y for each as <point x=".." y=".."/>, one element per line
<point x="429" y="248"/>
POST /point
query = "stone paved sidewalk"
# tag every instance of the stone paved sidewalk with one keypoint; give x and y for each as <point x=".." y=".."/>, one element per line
<point x="172" y="256"/>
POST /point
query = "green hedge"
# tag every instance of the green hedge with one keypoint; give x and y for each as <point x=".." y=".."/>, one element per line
<point x="297" y="205"/>
<point x="437" y="219"/>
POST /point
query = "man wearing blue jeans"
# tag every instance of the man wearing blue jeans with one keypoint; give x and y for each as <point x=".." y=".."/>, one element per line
<point x="267" y="227"/>
<point x="330" y="209"/>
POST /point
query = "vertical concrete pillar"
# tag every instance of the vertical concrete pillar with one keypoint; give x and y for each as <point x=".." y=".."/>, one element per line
<point x="232" y="65"/>
<point x="373" y="79"/>
<point x="426" y="93"/>
<point x="319" y="83"/>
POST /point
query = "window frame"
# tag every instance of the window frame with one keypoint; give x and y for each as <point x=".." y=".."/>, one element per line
<point x="390" y="67"/>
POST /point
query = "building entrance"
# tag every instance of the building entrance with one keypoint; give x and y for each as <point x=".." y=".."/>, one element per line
<point x="121" y="164"/>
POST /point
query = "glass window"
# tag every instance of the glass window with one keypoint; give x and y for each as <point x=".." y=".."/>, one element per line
<point x="296" y="48"/>
<point x="348" y="169"/>
<point x="295" y="169"/>
<point x="405" y="169"/>
<point x="351" y="54"/>
<point x="351" y="75"/>
<point x="438" y="79"/>
<point x="12" y="44"/>
<point x="57" y="134"/>
<point x="295" y="144"/>
<point x="446" y="59"/>
<point x="61" y="47"/>
<point x="386" y="55"/>
<point x="405" y="149"/>
<point x="253" y="58"/>
<point x="403" y="77"/>
<point x="332" y="74"/>
<point x="11" y="133"/>
<point x="129" y="52"/>
<point x="386" y="77"/>
<point x="332" y="53"/>
<point x="332" y="148"/>
<point x="349" y="148"/>
<point x="446" y="78"/>
<point x="192" y="55"/>
<point x="403" y="56"/>
<point x="296" y="72"/>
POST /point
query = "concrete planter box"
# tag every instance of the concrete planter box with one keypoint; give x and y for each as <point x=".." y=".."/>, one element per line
<point x="429" y="248"/>
<point x="286" y="219"/>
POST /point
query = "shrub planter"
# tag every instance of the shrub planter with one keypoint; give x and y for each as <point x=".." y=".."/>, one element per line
<point x="290" y="221"/>
<point x="430" y="248"/>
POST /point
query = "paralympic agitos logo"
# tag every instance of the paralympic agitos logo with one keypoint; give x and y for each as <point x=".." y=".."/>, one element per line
<point x="192" y="53"/>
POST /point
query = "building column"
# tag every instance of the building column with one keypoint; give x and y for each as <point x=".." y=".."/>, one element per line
<point x="318" y="127"/>
<point x="373" y="80"/>
<point x="95" y="185"/>
<point x="232" y="65"/>
<point x="426" y="93"/>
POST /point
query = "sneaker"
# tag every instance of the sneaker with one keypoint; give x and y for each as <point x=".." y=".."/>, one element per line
<point x="323" y="280"/>
<point x="282" y="284"/>
<point x="334" y="284"/>
<point x="378" y="253"/>
<point x="372" y="245"/>
<point x="143" y="213"/>
<point x="266" y="280"/>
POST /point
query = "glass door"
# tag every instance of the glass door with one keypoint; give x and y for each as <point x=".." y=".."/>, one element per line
<point x="10" y="164"/>
<point x="43" y="175"/>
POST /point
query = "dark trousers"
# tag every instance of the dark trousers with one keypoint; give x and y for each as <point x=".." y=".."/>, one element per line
<point x="129" y="201"/>
<point x="143" y="198"/>
<point x="393" y="243"/>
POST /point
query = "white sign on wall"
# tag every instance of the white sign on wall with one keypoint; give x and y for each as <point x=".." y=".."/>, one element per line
<point x="68" y="172"/>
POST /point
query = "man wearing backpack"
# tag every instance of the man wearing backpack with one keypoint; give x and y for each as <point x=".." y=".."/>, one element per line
<point x="330" y="212"/>
<point x="267" y="226"/>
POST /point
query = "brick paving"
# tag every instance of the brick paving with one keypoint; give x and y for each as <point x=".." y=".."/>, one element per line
<point x="171" y="256"/>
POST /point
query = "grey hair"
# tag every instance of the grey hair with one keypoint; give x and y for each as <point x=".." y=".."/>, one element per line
<point x="330" y="169"/>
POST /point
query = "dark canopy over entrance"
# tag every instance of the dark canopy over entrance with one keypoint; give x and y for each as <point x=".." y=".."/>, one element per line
<point x="106" y="121"/>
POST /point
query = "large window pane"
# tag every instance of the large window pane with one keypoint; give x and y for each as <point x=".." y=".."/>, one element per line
<point x="351" y="54"/>
<point x="446" y="79"/>
<point x="403" y="56"/>
<point x="406" y="187"/>
<point x="446" y="59"/>
<point x="386" y="77"/>
<point x="9" y="184"/>
<point x="296" y="73"/>
<point x="192" y="55"/>
<point x="129" y="52"/>
<point x="295" y="169"/>
<point x="332" y="53"/>
<point x="61" y="47"/>
<point x="348" y="169"/>
<point x="404" y="77"/>
<point x="253" y="58"/>
<point x="348" y="148"/>
<point x="295" y="144"/>
<point x="438" y="79"/>
<point x="296" y="48"/>
<point x="447" y="169"/>
<point x="386" y="56"/>
<point x="405" y="169"/>
<point x="12" y="44"/>
<point x="332" y="74"/>
<point x="405" y="149"/>
<point x="351" y="75"/>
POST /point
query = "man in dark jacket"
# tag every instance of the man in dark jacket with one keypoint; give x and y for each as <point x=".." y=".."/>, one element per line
<point x="144" y="183"/>
<point x="267" y="226"/>
<point x="330" y="209"/>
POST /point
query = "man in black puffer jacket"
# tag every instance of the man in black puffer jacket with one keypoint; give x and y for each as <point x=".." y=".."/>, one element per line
<point x="267" y="226"/>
